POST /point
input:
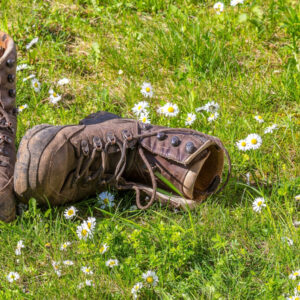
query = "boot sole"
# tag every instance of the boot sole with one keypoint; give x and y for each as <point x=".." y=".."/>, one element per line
<point x="28" y="159"/>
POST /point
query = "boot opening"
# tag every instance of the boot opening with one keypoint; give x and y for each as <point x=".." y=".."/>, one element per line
<point x="205" y="174"/>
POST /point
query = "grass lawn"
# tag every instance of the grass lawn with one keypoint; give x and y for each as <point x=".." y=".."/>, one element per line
<point x="247" y="60"/>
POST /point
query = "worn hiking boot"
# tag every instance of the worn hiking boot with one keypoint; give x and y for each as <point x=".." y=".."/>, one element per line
<point x="61" y="164"/>
<point x="8" y="126"/>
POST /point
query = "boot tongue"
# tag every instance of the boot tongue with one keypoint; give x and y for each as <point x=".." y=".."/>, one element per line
<point x="191" y="177"/>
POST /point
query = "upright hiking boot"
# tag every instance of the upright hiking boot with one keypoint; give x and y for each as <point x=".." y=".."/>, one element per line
<point x="60" y="164"/>
<point x="8" y="126"/>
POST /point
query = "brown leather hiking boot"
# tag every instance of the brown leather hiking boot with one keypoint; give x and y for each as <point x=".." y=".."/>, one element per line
<point x="60" y="164"/>
<point x="8" y="126"/>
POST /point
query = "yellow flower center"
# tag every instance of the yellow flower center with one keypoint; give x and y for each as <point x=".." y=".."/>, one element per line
<point x="84" y="232"/>
<point x="259" y="117"/>
<point x="87" y="270"/>
<point x="111" y="263"/>
<point x="106" y="201"/>
<point x="36" y="84"/>
<point x="70" y="212"/>
<point x="259" y="203"/>
<point x="296" y="273"/>
<point x="136" y="287"/>
<point x="54" y="94"/>
<point x="149" y="279"/>
<point x="13" y="276"/>
<point x="243" y="144"/>
<point x="139" y="107"/>
<point x="89" y="224"/>
<point x="212" y="115"/>
<point x="189" y="119"/>
<point x="147" y="89"/>
<point x="254" y="141"/>
<point x="102" y="249"/>
<point x="22" y="107"/>
<point x="296" y="298"/>
<point x="144" y="119"/>
<point x="64" y="245"/>
<point x="171" y="109"/>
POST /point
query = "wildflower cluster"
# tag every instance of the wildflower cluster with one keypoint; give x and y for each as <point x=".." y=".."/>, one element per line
<point x="150" y="280"/>
<point x="219" y="6"/>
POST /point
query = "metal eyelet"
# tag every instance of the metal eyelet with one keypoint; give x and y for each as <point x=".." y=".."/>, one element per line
<point x="10" y="62"/>
<point x="161" y="136"/>
<point x="190" y="147"/>
<point x="10" y="78"/>
<point x="175" y="141"/>
<point x="12" y="93"/>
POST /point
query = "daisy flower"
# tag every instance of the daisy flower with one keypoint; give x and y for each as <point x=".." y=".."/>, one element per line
<point x="258" y="204"/>
<point x="55" y="266"/>
<point x="144" y="118"/>
<point x="211" y="106"/>
<point x="297" y="198"/>
<point x="12" y="276"/>
<point x="90" y="223"/>
<point x="190" y="119"/>
<point x="120" y="72"/>
<point x="271" y="128"/>
<point x="150" y="278"/>
<point x="112" y="263"/>
<point x="31" y="43"/>
<point x="213" y="116"/>
<point x="31" y="76"/>
<point x="36" y="85"/>
<point x="64" y="246"/>
<point x="140" y="107"/>
<point x="254" y="141"/>
<point x="20" y="245"/>
<point x="259" y="119"/>
<point x="289" y="241"/>
<point x="103" y="248"/>
<point x="106" y="199"/>
<point x="87" y="270"/>
<point x="236" y="2"/>
<point x="63" y="81"/>
<point x="22" y="67"/>
<point x="88" y="282"/>
<point x="294" y="275"/>
<point x="68" y="262"/>
<point x="170" y="110"/>
<point x="136" y="288"/>
<point x="219" y="7"/>
<point x="147" y="90"/>
<point x="297" y="289"/>
<point x="83" y="232"/>
<point x="70" y="212"/>
<point x="22" y="107"/>
<point x="54" y="97"/>
<point x="242" y="145"/>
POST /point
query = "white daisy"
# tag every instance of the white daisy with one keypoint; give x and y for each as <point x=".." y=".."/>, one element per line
<point x="211" y="106"/>
<point x="106" y="199"/>
<point x="90" y="223"/>
<point x="297" y="198"/>
<point x="36" y="85"/>
<point x="120" y="72"/>
<point x="83" y="232"/>
<point x="289" y="241"/>
<point x="258" y="204"/>
<point x="294" y="275"/>
<point x="64" y="246"/>
<point x="147" y="90"/>
<point x="54" y="97"/>
<point x="22" y="107"/>
<point x="219" y="7"/>
<point x="70" y="212"/>
<point x="150" y="278"/>
<point x="271" y="128"/>
<point x="31" y="43"/>
<point x="20" y="245"/>
<point x="259" y="119"/>
<point x="55" y="266"/>
<point x="170" y="110"/>
<point x="63" y="81"/>
<point x="68" y="262"/>
<point x="254" y="141"/>
<point x="88" y="282"/>
<point x="140" y="107"/>
<point x="236" y="2"/>
<point x="242" y="145"/>
<point x="29" y="77"/>
<point x="136" y="288"/>
<point x="144" y="118"/>
<point x="190" y="119"/>
<point x="103" y="248"/>
<point x="12" y="276"/>
<point x="22" y="67"/>
<point x="213" y="116"/>
<point x="297" y="289"/>
<point x="87" y="270"/>
<point x="112" y="263"/>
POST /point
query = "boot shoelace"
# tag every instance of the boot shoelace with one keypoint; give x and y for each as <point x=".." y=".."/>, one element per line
<point x="116" y="178"/>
